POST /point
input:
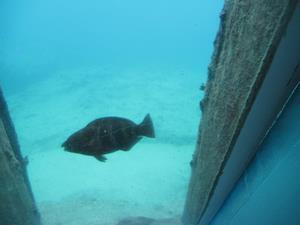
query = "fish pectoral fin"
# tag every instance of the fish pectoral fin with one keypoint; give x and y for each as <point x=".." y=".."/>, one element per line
<point x="127" y="148"/>
<point x="101" y="158"/>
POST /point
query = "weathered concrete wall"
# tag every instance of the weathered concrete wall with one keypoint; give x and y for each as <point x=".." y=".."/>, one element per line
<point x="249" y="34"/>
<point x="17" y="206"/>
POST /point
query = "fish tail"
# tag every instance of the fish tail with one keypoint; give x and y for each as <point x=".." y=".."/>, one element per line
<point x="145" y="128"/>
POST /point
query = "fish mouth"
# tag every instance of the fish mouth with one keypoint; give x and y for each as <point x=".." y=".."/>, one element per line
<point x="67" y="147"/>
<point x="64" y="146"/>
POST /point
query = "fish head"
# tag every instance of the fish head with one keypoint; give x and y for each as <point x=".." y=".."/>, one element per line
<point x="72" y="144"/>
<point x="78" y="142"/>
<point x="68" y="146"/>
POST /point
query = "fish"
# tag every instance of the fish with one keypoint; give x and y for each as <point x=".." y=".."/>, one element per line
<point x="108" y="134"/>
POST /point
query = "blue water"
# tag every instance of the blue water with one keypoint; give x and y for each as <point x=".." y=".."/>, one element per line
<point x="65" y="63"/>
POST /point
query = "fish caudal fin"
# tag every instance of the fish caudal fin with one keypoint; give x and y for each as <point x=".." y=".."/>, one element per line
<point x="145" y="128"/>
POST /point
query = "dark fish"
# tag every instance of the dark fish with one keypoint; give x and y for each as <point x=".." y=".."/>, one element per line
<point x="108" y="134"/>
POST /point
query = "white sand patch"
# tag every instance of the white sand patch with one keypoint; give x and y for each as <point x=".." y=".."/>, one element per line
<point x="150" y="180"/>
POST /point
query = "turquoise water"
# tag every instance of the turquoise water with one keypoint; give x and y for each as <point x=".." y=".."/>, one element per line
<point x="63" y="64"/>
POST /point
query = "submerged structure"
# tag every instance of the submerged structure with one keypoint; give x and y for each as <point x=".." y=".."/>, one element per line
<point x="253" y="79"/>
<point x="253" y="73"/>
<point x="17" y="205"/>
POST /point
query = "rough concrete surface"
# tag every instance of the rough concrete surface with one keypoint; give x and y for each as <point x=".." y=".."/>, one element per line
<point x="17" y="206"/>
<point x="248" y="36"/>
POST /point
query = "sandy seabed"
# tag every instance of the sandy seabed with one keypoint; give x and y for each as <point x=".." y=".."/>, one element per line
<point x="150" y="180"/>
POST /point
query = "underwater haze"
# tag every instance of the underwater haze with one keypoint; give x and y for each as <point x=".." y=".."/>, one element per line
<point x="66" y="63"/>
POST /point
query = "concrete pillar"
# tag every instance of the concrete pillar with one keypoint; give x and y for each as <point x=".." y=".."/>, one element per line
<point x="17" y="206"/>
<point x="249" y="34"/>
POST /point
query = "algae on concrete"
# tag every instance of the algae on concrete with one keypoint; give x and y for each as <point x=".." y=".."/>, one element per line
<point x="249" y="34"/>
<point x="17" y="205"/>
